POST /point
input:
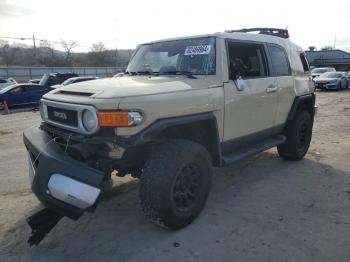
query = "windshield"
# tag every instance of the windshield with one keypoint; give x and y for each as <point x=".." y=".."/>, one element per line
<point x="320" y="70"/>
<point x="5" y="89"/>
<point x="331" y="75"/>
<point x="188" y="56"/>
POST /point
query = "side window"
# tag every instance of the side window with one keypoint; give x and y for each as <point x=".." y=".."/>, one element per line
<point x="33" y="88"/>
<point x="304" y="62"/>
<point x="2" y="81"/>
<point x="17" y="90"/>
<point x="246" y="60"/>
<point x="279" y="59"/>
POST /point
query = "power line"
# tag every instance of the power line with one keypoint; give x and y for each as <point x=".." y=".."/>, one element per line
<point x="38" y="39"/>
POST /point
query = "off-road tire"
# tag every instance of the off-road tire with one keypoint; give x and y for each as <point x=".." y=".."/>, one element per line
<point x="299" y="134"/>
<point x="160" y="186"/>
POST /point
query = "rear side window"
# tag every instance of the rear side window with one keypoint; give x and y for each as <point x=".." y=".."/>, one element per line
<point x="246" y="60"/>
<point x="304" y="62"/>
<point x="279" y="60"/>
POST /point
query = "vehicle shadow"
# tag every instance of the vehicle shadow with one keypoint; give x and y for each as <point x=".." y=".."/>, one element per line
<point x="20" y="110"/>
<point x="260" y="202"/>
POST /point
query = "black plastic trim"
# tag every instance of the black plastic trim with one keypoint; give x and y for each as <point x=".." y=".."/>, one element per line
<point x="151" y="132"/>
<point x="246" y="140"/>
<point x="50" y="159"/>
<point x="296" y="104"/>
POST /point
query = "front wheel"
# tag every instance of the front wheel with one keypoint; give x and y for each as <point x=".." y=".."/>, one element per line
<point x="299" y="134"/>
<point x="175" y="183"/>
<point x="339" y="87"/>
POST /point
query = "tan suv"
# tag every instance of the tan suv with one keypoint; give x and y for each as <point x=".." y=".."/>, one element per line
<point x="182" y="106"/>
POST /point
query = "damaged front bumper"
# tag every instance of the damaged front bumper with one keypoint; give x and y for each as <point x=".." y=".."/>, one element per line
<point x="64" y="185"/>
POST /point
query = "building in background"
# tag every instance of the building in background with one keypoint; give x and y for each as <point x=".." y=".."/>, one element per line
<point x="336" y="58"/>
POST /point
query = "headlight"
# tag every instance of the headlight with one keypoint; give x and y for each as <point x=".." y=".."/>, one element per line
<point x="89" y="120"/>
<point x="119" y="118"/>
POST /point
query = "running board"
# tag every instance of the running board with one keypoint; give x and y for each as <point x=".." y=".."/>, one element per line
<point x="253" y="149"/>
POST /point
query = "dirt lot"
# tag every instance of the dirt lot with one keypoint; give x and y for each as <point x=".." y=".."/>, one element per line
<point x="261" y="209"/>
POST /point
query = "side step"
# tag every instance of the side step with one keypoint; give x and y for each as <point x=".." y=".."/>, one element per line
<point x="253" y="149"/>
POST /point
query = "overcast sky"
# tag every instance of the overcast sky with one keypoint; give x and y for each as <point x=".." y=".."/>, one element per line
<point x="124" y="23"/>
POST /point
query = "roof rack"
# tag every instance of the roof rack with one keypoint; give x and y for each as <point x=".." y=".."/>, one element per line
<point x="283" y="33"/>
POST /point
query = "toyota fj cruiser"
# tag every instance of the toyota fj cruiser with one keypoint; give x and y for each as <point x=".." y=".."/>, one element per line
<point x="182" y="106"/>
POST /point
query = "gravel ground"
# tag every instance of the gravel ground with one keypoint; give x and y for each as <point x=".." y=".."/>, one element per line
<point x="260" y="209"/>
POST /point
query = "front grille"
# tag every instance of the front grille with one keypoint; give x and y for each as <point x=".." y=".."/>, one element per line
<point x="67" y="116"/>
<point x="63" y="116"/>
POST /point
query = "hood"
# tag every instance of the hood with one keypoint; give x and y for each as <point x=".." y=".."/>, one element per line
<point x="325" y="79"/>
<point x="127" y="86"/>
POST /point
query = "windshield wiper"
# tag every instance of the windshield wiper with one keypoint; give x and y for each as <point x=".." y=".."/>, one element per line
<point x="180" y="72"/>
<point x="142" y="72"/>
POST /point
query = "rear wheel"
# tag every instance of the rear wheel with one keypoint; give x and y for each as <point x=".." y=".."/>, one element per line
<point x="175" y="183"/>
<point x="299" y="134"/>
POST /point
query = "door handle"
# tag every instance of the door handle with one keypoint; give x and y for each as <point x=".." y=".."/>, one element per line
<point x="271" y="89"/>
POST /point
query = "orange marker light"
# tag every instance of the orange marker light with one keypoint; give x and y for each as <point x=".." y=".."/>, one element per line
<point x="113" y="118"/>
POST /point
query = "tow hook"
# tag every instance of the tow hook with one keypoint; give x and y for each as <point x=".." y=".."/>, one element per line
<point x="41" y="224"/>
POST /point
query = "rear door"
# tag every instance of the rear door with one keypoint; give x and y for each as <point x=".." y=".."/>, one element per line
<point x="250" y="94"/>
<point x="281" y="70"/>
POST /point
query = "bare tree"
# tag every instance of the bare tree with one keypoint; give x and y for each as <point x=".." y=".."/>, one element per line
<point x="98" y="47"/>
<point x="98" y="55"/>
<point x="68" y="47"/>
<point x="46" y="55"/>
<point x="7" y="53"/>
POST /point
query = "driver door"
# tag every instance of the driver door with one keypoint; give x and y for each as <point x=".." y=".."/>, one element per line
<point x="250" y="94"/>
<point x="16" y="96"/>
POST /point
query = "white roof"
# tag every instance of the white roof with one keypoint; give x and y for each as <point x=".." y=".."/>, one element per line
<point x="239" y="36"/>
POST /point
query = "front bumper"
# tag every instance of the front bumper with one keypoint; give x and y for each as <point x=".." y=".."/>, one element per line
<point x="64" y="185"/>
<point x="326" y="86"/>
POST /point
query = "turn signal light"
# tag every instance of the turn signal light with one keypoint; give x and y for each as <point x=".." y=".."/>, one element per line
<point x="119" y="118"/>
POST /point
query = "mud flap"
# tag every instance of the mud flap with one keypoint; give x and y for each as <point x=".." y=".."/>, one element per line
<point x="41" y="224"/>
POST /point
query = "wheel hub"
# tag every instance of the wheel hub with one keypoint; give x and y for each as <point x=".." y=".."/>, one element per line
<point x="186" y="186"/>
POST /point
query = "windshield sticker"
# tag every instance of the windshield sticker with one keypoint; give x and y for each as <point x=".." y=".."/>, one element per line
<point x="197" y="50"/>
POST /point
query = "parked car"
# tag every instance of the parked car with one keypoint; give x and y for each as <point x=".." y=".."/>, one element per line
<point x="55" y="78"/>
<point x="22" y="94"/>
<point x="332" y="80"/>
<point x="73" y="80"/>
<point x="34" y="81"/>
<point x="316" y="72"/>
<point x="182" y="106"/>
<point x="6" y="81"/>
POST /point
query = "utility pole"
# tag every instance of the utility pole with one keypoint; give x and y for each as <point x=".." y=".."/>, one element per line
<point x="34" y="49"/>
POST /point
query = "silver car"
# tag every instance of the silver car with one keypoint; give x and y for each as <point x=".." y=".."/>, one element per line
<point x="332" y="80"/>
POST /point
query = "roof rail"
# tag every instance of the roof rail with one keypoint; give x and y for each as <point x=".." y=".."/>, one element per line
<point x="283" y="33"/>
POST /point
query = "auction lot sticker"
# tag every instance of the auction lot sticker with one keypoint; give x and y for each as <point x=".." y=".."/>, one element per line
<point x="197" y="50"/>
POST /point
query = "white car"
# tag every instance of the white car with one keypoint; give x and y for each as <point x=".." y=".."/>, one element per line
<point x="6" y="81"/>
<point x="316" y="72"/>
